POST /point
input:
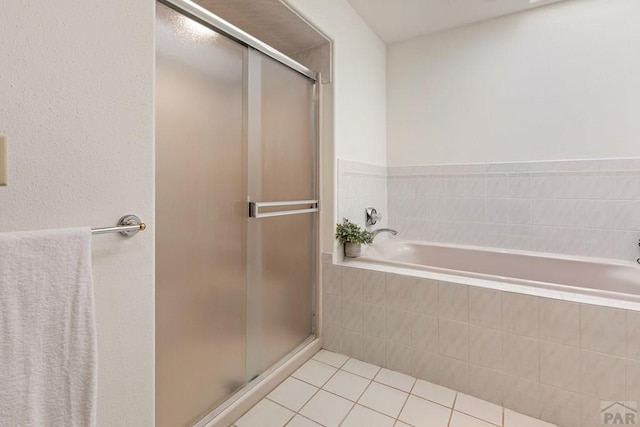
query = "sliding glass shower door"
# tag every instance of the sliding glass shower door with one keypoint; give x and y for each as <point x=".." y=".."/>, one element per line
<point x="200" y="219"/>
<point x="282" y="246"/>
<point x="234" y="293"/>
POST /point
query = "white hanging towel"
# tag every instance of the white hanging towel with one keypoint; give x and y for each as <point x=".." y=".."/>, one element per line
<point x="48" y="369"/>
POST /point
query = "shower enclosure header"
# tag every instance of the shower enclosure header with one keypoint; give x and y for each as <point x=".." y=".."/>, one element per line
<point x="209" y="19"/>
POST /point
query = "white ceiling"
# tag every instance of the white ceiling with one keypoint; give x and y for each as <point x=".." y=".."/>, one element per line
<point x="396" y="20"/>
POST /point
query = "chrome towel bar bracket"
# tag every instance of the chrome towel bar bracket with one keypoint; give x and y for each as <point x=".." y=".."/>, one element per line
<point x="128" y="226"/>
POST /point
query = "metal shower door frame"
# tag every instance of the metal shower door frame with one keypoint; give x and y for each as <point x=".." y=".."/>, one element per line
<point x="205" y="17"/>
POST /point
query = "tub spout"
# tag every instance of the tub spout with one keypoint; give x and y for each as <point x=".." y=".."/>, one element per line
<point x="383" y="230"/>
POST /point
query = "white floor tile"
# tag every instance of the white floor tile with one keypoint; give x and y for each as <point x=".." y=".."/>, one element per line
<point x="361" y="417"/>
<point x="292" y="393"/>
<point x="347" y="385"/>
<point x="265" y="414"/>
<point x="422" y="413"/>
<point x="327" y="409"/>
<point x="515" y="419"/>
<point x="435" y="393"/>
<point x="395" y="379"/>
<point x="334" y="359"/>
<point x="315" y="373"/>
<point x="363" y="369"/>
<point x="425" y="404"/>
<point x="458" y="419"/>
<point x="383" y="399"/>
<point x="300" y="421"/>
<point x="479" y="408"/>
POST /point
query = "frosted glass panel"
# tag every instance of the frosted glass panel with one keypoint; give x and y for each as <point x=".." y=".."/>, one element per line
<point x="200" y="219"/>
<point x="282" y="159"/>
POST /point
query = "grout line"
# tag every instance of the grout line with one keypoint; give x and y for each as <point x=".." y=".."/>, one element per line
<point x="324" y="363"/>
<point x="402" y="407"/>
<point x="482" y="419"/>
<point x="347" y="415"/>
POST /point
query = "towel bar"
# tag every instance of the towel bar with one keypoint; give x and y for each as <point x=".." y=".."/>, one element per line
<point x="128" y="226"/>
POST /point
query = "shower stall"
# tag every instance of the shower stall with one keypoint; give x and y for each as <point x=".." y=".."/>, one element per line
<point x="236" y="211"/>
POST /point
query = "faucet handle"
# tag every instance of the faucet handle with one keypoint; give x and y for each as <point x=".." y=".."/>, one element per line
<point x="373" y="216"/>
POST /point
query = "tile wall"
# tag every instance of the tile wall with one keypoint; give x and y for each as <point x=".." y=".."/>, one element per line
<point x="546" y="358"/>
<point x="585" y="207"/>
<point x="360" y="186"/>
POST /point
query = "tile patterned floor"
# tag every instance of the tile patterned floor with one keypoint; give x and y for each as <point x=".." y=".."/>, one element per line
<point x="333" y="390"/>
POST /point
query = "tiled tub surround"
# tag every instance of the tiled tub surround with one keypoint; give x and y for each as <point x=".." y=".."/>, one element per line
<point x="360" y="186"/>
<point x="547" y="358"/>
<point x="583" y="207"/>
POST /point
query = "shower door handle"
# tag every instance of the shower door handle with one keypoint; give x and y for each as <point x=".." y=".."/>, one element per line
<point x="254" y="208"/>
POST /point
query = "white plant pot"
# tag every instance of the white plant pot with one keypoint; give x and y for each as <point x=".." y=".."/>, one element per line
<point x="352" y="250"/>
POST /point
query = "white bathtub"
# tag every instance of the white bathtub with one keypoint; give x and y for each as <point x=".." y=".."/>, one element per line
<point x="582" y="279"/>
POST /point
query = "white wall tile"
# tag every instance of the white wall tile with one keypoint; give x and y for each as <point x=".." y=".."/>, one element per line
<point x="424" y="332"/>
<point x="486" y="383"/>
<point x="453" y="339"/>
<point x="560" y="321"/>
<point x="373" y="287"/>
<point x="560" y="366"/>
<point x="454" y="374"/>
<point x="633" y="335"/>
<point x="476" y="186"/>
<point x="633" y="380"/>
<point x="331" y="279"/>
<point x="520" y="211"/>
<point x="536" y="355"/>
<point x="398" y="357"/>
<point x="332" y="338"/>
<point x="332" y="310"/>
<point x="352" y="315"/>
<point x="352" y="344"/>
<point x="585" y="203"/>
<point x="351" y="282"/>
<point x="399" y="291"/>
<point x="485" y="347"/>
<point x="603" y="329"/>
<point x="424" y="294"/>
<point x="485" y="307"/>
<point x="374" y="351"/>
<point x="399" y="326"/>
<point x="603" y="376"/>
<point x="453" y="301"/>
<point x="559" y="407"/>
<point x="625" y="215"/>
<point x="521" y="356"/>
<point x="520" y="314"/>
<point x="497" y="185"/>
<point x="374" y="318"/>
<point x="523" y="395"/>
<point x="425" y="365"/>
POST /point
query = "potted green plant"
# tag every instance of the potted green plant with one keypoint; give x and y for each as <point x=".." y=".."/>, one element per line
<point x="353" y="237"/>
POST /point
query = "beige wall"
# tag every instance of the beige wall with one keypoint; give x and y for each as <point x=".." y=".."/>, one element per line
<point x="76" y="80"/>
<point x="556" y="82"/>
